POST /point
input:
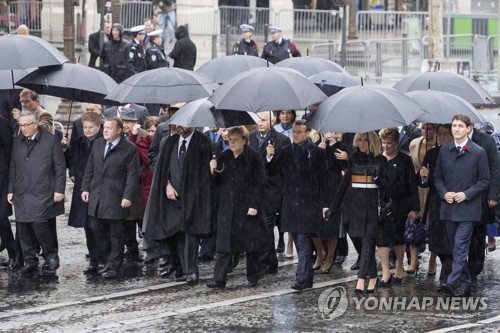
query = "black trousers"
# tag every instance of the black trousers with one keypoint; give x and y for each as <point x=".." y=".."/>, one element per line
<point x="477" y="250"/>
<point x="342" y="248"/>
<point x="33" y="233"/>
<point x="223" y="264"/>
<point x="7" y="237"/>
<point x="110" y="238"/>
<point x="207" y="247"/>
<point x="187" y="246"/>
<point x="130" y="231"/>
<point x="367" y="262"/>
<point x="96" y="257"/>
<point x="267" y="255"/>
<point x="446" y="263"/>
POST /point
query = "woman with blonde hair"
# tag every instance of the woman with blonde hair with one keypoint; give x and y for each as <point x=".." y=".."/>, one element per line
<point x="366" y="176"/>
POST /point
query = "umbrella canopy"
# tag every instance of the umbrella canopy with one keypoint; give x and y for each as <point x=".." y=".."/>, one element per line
<point x="441" y="107"/>
<point x="201" y="113"/>
<point x="6" y="77"/>
<point x="332" y="82"/>
<point x="222" y="69"/>
<point x="263" y="89"/>
<point x="310" y="66"/>
<point x="451" y="83"/>
<point x="23" y="52"/>
<point x="363" y="109"/>
<point x="71" y="81"/>
<point x="163" y="86"/>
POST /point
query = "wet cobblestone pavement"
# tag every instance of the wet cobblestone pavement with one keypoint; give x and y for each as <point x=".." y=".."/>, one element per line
<point x="141" y="300"/>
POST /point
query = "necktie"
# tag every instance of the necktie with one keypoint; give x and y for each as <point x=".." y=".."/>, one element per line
<point x="182" y="153"/>
<point x="459" y="148"/>
<point x="108" y="149"/>
<point x="262" y="140"/>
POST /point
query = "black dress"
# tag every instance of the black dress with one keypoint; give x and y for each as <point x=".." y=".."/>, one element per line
<point x="404" y="195"/>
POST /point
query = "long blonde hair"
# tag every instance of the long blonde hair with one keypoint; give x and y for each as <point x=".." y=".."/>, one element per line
<point x="374" y="146"/>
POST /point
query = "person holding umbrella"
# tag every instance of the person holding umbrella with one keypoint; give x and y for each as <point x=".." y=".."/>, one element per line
<point x="367" y="175"/>
<point x="155" y="56"/>
<point x="240" y="180"/>
<point x="246" y="46"/>
<point x="279" y="48"/>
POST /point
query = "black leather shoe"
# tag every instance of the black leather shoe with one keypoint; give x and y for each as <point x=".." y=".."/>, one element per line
<point x="52" y="264"/>
<point x="272" y="269"/>
<point x="216" y="285"/>
<point x="28" y="268"/>
<point x="355" y="267"/>
<point x="339" y="260"/>
<point x="92" y="268"/>
<point x="397" y="281"/>
<point x="192" y="279"/>
<point x="461" y="292"/>
<point x="308" y="285"/>
<point x="448" y="288"/>
<point x="384" y="284"/>
<point x="110" y="274"/>
<point x="167" y="271"/>
<point x="252" y="284"/>
<point x="297" y="286"/>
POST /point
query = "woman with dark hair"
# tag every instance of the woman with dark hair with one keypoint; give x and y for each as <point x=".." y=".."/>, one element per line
<point x="239" y="177"/>
<point x="284" y="122"/>
<point x="403" y="193"/>
<point x="438" y="237"/>
<point x="367" y="175"/>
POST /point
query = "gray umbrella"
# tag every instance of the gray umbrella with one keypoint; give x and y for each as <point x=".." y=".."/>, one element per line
<point x="163" y="86"/>
<point x="6" y="77"/>
<point x="332" y="82"/>
<point x="451" y="83"/>
<point x="263" y="89"/>
<point x="363" y="109"/>
<point x="441" y="107"/>
<point x="201" y="113"/>
<point x="222" y="69"/>
<point x="310" y="66"/>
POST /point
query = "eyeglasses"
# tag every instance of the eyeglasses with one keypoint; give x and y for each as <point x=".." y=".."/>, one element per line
<point x="25" y="125"/>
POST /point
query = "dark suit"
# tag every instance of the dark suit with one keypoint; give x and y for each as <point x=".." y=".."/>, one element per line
<point x="272" y="191"/>
<point x="6" y="235"/>
<point x="94" y="47"/>
<point x="406" y="135"/>
<point x="468" y="172"/>
<point x="140" y="112"/>
<point x="109" y="180"/>
<point x="162" y="131"/>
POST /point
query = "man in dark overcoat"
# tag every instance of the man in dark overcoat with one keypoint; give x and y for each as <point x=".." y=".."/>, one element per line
<point x="303" y="167"/>
<point x="6" y="236"/>
<point x="184" y="51"/>
<point x="460" y="176"/>
<point x="95" y="43"/>
<point x="179" y="206"/>
<point x="37" y="181"/>
<point x="110" y="185"/>
<point x="260" y="139"/>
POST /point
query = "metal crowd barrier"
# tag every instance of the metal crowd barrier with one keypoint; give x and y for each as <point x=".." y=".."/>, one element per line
<point x="46" y="17"/>
<point x="133" y="12"/>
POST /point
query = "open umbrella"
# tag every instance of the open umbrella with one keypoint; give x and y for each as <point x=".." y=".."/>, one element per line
<point x="363" y="109"/>
<point x="263" y="89"/>
<point x="202" y="113"/>
<point x="163" y="86"/>
<point x="222" y="69"/>
<point x="70" y="81"/>
<point x="332" y="82"/>
<point x="310" y="66"/>
<point x="451" y="83"/>
<point x="441" y="107"/>
<point x="6" y="80"/>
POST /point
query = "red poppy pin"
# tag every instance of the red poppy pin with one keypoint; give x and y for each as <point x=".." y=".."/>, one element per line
<point x="464" y="148"/>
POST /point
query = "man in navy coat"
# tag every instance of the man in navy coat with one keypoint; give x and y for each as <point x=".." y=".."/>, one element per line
<point x="461" y="175"/>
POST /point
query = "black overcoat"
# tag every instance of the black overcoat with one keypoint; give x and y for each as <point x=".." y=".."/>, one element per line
<point x="37" y="171"/>
<point x="363" y="202"/>
<point x="196" y="195"/>
<point x="111" y="179"/>
<point x="274" y="184"/>
<point x="6" y="139"/>
<point x="184" y="51"/>
<point x="77" y="156"/>
<point x="305" y="188"/>
<point x="240" y="186"/>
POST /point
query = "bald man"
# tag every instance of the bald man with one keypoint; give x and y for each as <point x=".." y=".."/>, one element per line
<point x="22" y="30"/>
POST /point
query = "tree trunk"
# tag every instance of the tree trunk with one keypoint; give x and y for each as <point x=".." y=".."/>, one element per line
<point x="436" y="29"/>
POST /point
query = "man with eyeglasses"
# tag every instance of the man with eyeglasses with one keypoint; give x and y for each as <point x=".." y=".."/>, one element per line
<point x="37" y="181"/>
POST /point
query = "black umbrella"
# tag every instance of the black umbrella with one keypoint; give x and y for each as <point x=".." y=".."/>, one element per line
<point x="222" y="69"/>
<point x="201" y="113"/>
<point x="70" y="81"/>
<point x="451" y="83"/>
<point x="264" y="89"/>
<point x="310" y="66"/>
<point x="364" y="109"/>
<point x="332" y="82"/>
<point x="163" y="86"/>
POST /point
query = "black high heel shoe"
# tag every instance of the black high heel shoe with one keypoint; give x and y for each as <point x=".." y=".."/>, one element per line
<point x="413" y="271"/>
<point x="384" y="284"/>
<point x="325" y="271"/>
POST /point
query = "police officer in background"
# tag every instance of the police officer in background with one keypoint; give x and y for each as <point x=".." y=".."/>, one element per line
<point x="246" y="46"/>
<point x="279" y="48"/>
<point x="155" y="57"/>
<point x="136" y="55"/>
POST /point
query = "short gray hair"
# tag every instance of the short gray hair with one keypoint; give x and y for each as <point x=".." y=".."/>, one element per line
<point x="30" y="114"/>
<point x="273" y="115"/>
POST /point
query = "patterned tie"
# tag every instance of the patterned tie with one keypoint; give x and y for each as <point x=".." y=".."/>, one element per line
<point x="262" y="140"/>
<point x="182" y="153"/>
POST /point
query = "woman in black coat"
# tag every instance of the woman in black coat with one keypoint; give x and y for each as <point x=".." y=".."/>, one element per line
<point x="77" y="156"/>
<point x="367" y="175"/>
<point x="239" y="179"/>
<point x="405" y="202"/>
<point x="438" y="237"/>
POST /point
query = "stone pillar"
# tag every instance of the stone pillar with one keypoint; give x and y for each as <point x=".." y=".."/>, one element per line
<point x="281" y="15"/>
<point x="353" y="29"/>
<point x="436" y="45"/>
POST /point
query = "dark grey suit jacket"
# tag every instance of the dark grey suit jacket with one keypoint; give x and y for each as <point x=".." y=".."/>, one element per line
<point x="466" y="171"/>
